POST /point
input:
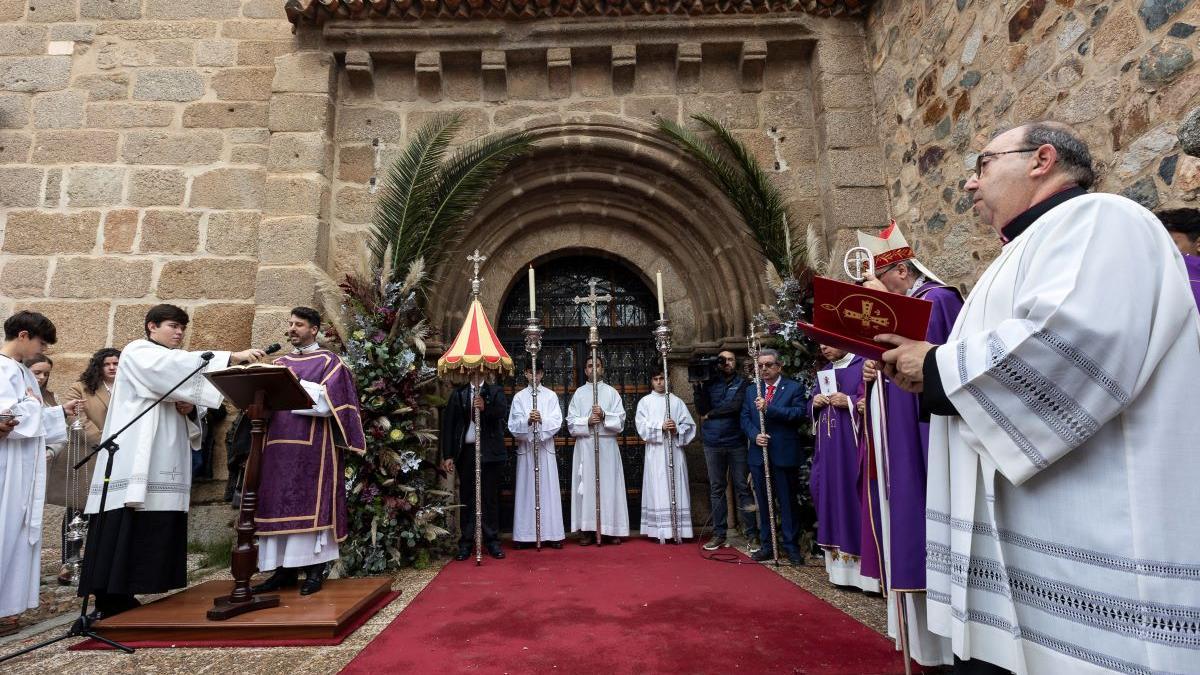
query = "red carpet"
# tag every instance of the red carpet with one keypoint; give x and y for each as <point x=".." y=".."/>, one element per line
<point x="353" y="625"/>
<point x="635" y="608"/>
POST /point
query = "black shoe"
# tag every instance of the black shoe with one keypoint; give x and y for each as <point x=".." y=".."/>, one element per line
<point x="587" y="538"/>
<point x="522" y="545"/>
<point x="314" y="576"/>
<point x="557" y="545"/>
<point x="495" y="551"/>
<point x="613" y="541"/>
<point x="463" y="554"/>
<point x="284" y="577"/>
<point x="795" y="560"/>
<point x="762" y="555"/>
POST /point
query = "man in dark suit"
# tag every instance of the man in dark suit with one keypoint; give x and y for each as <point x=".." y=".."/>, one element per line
<point x="784" y="407"/>
<point x="458" y="455"/>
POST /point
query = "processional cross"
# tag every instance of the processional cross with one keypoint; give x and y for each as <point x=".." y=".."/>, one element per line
<point x="476" y="260"/>
<point x="594" y="341"/>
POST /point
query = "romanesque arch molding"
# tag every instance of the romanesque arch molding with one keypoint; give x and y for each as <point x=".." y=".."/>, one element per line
<point x="603" y="184"/>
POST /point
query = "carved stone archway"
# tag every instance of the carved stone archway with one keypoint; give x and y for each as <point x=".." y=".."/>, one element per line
<point x="605" y="184"/>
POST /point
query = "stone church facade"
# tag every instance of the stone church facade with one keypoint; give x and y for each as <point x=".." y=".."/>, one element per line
<point x="224" y="155"/>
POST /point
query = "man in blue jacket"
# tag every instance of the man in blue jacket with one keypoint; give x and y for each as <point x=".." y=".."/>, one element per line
<point x="784" y="406"/>
<point x="719" y="401"/>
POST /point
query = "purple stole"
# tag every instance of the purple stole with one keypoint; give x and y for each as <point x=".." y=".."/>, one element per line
<point x="1193" y="269"/>
<point x="907" y="453"/>
<point x="834" y="478"/>
<point x="871" y="533"/>
<point x="303" y="485"/>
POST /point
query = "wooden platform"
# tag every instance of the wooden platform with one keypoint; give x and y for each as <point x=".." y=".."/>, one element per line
<point x="181" y="617"/>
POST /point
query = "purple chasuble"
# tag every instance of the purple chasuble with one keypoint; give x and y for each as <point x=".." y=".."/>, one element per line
<point x="1193" y="270"/>
<point x="834" y="479"/>
<point x="907" y="452"/>
<point x="303" y="486"/>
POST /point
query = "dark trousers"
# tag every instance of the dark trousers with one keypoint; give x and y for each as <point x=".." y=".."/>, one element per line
<point x="977" y="667"/>
<point x="724" y="463"/>
<point x="489" y="486"/>
<point x="785" y="479"/>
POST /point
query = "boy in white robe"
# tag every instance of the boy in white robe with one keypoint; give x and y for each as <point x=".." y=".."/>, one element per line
<point x="26" y="428"/>
<point x="524" y="423"/>
<point x="1061" y="532"/>
<point x="656" y="428"/>
<point x="608" y="416"/>
<point x="142" y="545"/>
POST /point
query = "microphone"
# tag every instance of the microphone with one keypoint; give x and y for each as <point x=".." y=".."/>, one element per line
<point x="272" y="348"/>
<point x="206" y="356"/>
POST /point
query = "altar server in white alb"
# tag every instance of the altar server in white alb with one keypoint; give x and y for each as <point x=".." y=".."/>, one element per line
<point x="142" y="546"/>
<point x="524" y="422"/>
<point x="26" y="428"/>
<point x="657" y="428"/>
<point x="1061" y="523"/>
<point x="608" y="416"/>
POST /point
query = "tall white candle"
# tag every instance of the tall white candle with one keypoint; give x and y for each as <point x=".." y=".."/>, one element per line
<point x="787" y="241"/>
<point x="532" y="296"/>
<point x="658" y="279"/>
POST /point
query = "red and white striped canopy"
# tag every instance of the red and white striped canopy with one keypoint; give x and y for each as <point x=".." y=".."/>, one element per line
<point x="476" y="347"/>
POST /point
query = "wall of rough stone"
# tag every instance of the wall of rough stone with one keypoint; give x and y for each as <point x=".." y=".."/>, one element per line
<point x="948" y="74"/>
<point x="133" y="152"/>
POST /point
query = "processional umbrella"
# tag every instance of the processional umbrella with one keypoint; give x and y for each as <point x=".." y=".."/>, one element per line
<point x="476" y="349"/>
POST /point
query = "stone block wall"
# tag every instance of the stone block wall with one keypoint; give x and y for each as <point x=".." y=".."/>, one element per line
<point x="134" y="154"/>
<point x="763" y="90"/>
<point x="947" y="75"/>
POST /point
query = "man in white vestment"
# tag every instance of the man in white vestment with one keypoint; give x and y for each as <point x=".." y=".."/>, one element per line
<point x="26" y="428"/>
<point x="608" y="417"/>
<point x="534" y="429"/>
<point x="141" y="545"/>
<point x="1061" y="532"/>
<point x="657" y="428"/>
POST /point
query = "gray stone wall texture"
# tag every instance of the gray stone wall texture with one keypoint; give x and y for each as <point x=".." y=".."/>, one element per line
<point x="947" y="75"/>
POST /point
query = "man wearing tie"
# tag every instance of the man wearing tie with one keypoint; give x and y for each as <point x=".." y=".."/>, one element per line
<point x="783" y="406"/>
<point x="458" y="455"/>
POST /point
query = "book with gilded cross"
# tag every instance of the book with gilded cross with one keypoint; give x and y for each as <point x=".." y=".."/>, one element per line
<point x="849" y="317"/>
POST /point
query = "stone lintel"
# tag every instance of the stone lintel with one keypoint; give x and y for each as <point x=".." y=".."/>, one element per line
<point x="558" y="71"/>
<point x="493" y="64"/>
<point x="359" y="68"/>
<point x="415" y="37"/>
<point x="687" y="67"/>
<point x="624" y="67"/>
<point x="752" y="64"/>
<point x="429" y="75"/>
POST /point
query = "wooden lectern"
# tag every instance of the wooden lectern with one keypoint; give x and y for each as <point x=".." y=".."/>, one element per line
<point x="257" y="390"/>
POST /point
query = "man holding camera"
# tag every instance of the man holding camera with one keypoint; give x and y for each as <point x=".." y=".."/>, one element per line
<point x="719" y="399"/>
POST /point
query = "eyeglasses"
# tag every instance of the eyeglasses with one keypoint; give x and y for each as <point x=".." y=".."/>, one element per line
<point x="979" y="159"/>
<point x="768" y="365"/>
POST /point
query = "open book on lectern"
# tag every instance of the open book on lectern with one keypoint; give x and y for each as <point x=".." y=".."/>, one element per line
<point x="849" y="317"/>
<point x="280" y="385"/>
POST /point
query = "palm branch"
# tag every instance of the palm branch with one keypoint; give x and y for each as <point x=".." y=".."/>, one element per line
<point x="748" y="187"/>
<point x="428" y="197"/>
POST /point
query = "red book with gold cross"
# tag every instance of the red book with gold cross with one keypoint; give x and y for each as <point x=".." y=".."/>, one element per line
<point x="849" y="317"/>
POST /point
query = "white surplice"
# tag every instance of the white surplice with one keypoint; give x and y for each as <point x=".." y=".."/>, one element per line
<point x="614" y="511"/>
<point x="1061" y="507"/>
<point x="524" y="516"/>
<point x="656" y="491"/>
<point x="152" y="469"/>
<point x="23" y="484"/>
<point x="924" y="645"/>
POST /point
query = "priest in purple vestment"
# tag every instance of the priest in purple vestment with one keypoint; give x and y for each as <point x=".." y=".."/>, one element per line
<point x="302" y="497"/>
<point x="903" y="440"/>
<point x="1184" y="226"/>
<point x="834" y="479"/>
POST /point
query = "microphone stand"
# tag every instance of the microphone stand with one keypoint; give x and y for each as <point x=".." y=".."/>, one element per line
<point x="83" y="625"/>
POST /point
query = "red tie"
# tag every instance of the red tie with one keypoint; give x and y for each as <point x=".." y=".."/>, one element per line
<point x="770" y="392"/>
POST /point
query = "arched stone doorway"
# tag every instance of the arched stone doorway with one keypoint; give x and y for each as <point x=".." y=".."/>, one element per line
<point x="627" y="351"/>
